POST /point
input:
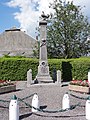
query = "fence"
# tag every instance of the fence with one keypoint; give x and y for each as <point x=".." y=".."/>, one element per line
<point x="34" y="106"/>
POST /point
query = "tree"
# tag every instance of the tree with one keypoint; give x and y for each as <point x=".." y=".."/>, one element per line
<point x="67" y="31"/>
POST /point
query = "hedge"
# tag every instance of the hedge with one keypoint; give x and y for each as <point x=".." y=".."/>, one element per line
<point x="16" y="68"/>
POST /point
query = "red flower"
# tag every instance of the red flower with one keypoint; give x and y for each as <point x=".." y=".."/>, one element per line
<point x="80" y="82"/>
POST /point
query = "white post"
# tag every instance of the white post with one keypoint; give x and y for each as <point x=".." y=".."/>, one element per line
<point x="89" y="76"/>
<point x="35" y="103"/>
<point x="88" y="109"/>
<point x="14" y="109"/>
<point x="58" y="76"/>
<point x="29" y="78"/>
<point x="65" y="102"/>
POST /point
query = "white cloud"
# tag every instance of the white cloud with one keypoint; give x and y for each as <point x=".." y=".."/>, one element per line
<point x="30" y="11"/>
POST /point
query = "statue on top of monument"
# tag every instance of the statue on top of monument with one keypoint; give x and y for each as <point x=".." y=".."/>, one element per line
<point x="43" y="16"/>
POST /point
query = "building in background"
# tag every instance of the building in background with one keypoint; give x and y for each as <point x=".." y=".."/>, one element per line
<point x="14" y="42"/>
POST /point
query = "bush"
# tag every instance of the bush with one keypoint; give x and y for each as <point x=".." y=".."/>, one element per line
<point x="80" y="68"/>
<point x="15" y="68"/>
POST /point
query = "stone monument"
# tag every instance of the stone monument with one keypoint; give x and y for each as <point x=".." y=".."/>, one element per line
<point x="43" y="68"/>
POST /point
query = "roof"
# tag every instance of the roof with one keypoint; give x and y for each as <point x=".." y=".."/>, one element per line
<point x="16" y="40"/>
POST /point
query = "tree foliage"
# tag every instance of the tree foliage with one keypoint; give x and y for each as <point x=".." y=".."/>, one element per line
<point x="67" y="31"/>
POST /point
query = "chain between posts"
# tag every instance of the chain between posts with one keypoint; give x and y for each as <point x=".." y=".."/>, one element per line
<point x="8" y="101"/>
<point x="41" y="110"/>
<point x="48" y="111"/>
<point x="4" y="101"/>
<point x="28" y="96"/>
<point x="21" y="98"/>
<point x="83" y="98"/>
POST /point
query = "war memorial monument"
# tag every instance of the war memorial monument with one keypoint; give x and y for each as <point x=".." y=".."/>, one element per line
<point x="43" y="68"/>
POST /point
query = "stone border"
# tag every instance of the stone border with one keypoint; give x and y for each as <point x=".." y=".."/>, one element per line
<point x="8" y="88"/>
<point x="79" y="88"/>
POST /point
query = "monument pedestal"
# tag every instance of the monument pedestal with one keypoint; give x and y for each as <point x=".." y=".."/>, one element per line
<point x="43" y="73"/>
<point x="44" y="79"/>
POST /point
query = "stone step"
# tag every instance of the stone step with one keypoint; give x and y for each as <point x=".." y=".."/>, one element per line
<point x="46" y="81"/>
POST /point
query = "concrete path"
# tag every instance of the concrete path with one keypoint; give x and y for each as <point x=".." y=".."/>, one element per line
<point x="50" y="98"/>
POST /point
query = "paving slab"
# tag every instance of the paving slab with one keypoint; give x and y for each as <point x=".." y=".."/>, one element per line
<point x="50" y="98"/>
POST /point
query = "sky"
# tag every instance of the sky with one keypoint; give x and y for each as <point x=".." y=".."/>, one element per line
<point x="24" y="14"/>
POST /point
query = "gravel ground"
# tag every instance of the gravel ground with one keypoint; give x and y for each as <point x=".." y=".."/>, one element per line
<point x="50" y="98"/>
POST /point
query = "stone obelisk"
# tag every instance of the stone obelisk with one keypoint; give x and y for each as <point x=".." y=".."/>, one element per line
<point x="43" y="68"/>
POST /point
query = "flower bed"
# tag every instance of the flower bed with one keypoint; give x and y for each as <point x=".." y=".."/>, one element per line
<point x="7" y="86"/>
<point x="79" y="86"/>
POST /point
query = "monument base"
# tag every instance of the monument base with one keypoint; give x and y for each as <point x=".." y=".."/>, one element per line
<point x="43" y="75"/>
<point x="44" y="79"/>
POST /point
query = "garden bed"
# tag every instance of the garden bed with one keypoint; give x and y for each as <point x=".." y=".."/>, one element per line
<point x="78" y="88"/>
<point x="8" y="88"/>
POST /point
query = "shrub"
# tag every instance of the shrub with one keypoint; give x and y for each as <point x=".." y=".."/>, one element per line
<point x="15" y="68"/>
<point x="80" y="68"/>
